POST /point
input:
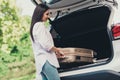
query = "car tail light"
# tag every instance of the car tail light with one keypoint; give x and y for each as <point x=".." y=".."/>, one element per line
<point x="116" y="31"/>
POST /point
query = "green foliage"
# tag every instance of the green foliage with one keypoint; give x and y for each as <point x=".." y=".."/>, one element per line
<point x="15" y="45"/>
<point x="26" y="77"/>
<point x="3" y="69"/>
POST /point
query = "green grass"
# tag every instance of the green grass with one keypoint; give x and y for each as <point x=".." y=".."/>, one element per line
<point x="26" y="77"/>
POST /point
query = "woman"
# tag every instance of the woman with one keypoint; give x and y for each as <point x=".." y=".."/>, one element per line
<point x="43" y="47"/>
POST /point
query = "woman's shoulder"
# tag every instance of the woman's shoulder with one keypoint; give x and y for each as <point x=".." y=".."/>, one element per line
<point x="38" y="27"/>
<point x="38" y="24"/>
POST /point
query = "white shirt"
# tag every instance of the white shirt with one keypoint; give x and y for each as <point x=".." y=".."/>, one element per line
<point x="42" y="44"/>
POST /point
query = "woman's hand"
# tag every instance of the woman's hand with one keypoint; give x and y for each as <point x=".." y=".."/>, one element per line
<point x="58" y="52"/>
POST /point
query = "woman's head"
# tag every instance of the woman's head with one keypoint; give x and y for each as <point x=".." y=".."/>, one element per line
<point x="45" y="16"/>
<point x="41" y="13"/>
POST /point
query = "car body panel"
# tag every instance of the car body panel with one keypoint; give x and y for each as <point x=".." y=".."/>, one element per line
<point x="97" y="75"/>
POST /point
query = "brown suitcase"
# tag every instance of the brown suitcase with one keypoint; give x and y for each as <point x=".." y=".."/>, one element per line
<point x="75" y="57"/>
<point x="76" y="51"/>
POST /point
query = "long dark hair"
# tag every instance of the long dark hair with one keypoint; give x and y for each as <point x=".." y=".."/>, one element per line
<point x="37" y="16"/>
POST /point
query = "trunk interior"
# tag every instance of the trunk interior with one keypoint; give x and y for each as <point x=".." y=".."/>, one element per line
<point x="84" y="29"/>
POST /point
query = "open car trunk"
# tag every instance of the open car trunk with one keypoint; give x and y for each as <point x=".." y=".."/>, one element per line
<point x="84" y="29"/>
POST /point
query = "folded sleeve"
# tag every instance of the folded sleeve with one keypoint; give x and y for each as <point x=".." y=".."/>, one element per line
<point x="43" y="37"/>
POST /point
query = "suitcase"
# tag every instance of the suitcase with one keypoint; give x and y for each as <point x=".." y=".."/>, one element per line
<point x="76" y="57"/>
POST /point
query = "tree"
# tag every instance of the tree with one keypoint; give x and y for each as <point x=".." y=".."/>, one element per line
<point x="15" y="44"/>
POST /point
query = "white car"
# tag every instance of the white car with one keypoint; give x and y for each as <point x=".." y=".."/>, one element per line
<point x="88" y="24"/>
